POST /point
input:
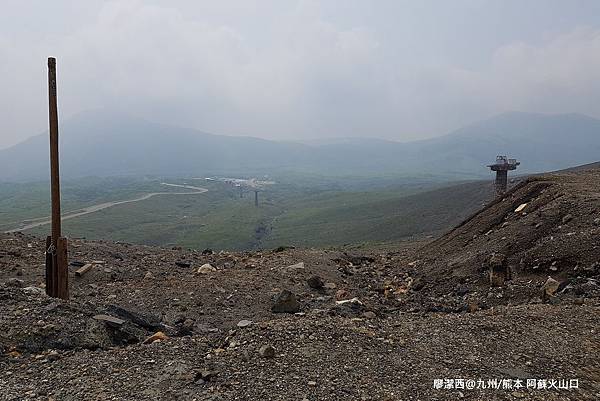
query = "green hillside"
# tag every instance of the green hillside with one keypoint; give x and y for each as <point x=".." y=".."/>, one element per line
<point x="298" y="211"/>
<point x="350" y="218"/>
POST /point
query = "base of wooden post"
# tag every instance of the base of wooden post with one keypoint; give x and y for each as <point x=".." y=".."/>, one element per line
<point x="499" y="270"/>
<point x="57" y="270"/>
<point x="498" y="276"/>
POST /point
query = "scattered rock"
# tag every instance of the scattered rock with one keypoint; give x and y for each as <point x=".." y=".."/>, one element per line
<point x="206" y="268"/>
<point x="315" y="282"/>
<point x="267" y="351"/>
<point x="183" y="264"/>
<point x="340" y="295"/>
<point x="369" y="315"/>
<point x="186" y="328"/>
<point x="34" y="291"/>
<point x="348" y="308"/>
<point x="244" y="323"/>
<point x="15" y="282"/>
<point x="472" y="307"/>
<point x="461" y="290"/>
<point x="53" y="356"/>
<point x="355" y="301"/>
<point x="158" y="336"/>
<point x="589" y="286"/>
<point x="207" y="375"/>
<point x="148" y="276"/>
<point x="145" y="320"/>
<point x="110" y="320"/>
<point x="283" y="248"/>
<point x="76" y="263"/>
<point x="550" y="287"/>
<point x="567" y="218"/>
<point x="521" y="207"/>
<point x="358" y="260"/>
<point x="417" y="284"/>
<point x="297" y="266"/>
<point x="286" y="302"/>
<point x="14" y="354"/>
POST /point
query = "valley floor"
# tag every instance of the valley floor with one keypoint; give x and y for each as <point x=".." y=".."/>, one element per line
<point x="312" y="212"/>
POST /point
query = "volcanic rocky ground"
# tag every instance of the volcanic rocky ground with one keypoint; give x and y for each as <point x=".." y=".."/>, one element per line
<point x="353" y="324"/>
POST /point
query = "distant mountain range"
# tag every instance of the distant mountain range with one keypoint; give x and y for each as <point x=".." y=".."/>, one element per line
<point x="101" y="143"/>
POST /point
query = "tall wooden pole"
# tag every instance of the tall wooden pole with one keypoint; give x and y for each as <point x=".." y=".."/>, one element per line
<point x="54" y="169"/>
<point x="57" y="276"/>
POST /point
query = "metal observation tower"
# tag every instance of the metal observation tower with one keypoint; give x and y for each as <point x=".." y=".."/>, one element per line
<point x="501" y="167"/>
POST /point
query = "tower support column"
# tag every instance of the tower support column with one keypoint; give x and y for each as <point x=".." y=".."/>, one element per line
<point x="501" y="181"/>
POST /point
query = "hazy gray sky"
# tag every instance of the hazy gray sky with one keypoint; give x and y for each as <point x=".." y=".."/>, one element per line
<point x="299" y="68"/>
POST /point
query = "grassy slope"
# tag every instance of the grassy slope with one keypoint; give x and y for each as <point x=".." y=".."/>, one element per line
<point x="289" y="214"/>
<point x="374" y="216"/>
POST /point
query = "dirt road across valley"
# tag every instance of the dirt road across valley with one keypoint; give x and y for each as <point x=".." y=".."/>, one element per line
<point x="95" y="208"/>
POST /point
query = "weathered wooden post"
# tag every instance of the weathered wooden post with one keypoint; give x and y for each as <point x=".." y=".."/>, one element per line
<point x="57" y="277"/>
<point x="499" y="270"/>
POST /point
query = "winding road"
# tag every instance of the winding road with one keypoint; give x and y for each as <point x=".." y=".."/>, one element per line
<point x="106" y="205"/>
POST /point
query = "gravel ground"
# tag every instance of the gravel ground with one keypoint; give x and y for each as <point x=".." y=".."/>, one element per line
<point x="317" y="356"/>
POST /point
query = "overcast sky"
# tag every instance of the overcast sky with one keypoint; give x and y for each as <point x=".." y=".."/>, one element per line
<point x="307" y="69"/>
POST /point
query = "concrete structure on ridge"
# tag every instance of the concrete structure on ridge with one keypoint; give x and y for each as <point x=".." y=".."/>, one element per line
<point x="501" y="167"/>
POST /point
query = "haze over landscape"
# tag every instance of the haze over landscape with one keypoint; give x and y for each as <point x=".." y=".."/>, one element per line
<point x="300" y="200"/>
<point x="306" y="69"/>
<point x="102" y="143"/>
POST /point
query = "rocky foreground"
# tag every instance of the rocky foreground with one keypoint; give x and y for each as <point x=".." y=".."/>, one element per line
<point x="416" y="322"/>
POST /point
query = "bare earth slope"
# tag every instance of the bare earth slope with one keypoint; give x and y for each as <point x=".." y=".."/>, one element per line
<point x="422" y="312"/>
<point x="557" y="233"/>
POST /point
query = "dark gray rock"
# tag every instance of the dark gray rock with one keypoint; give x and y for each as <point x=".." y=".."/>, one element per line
<point x="185" y="265"/>
<point x="267" y="351"/>
<point x="15" y="282"/>
<point x="286" y="302"/>
<point x="315" y="282"/>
